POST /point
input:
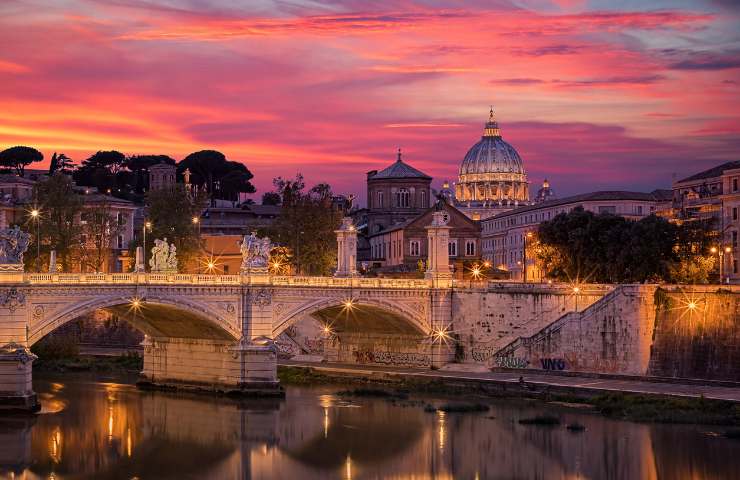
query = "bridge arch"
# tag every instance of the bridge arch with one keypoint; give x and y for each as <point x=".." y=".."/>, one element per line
<point x="155" y="315"/>
<point x="362" y="305"/>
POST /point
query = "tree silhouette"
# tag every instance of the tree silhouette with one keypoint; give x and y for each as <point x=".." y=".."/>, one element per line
<point x="100" y="170"/>
<point x="61" y="163"/>
<point x="212" y="172"/>
<point x="16" y="158"/>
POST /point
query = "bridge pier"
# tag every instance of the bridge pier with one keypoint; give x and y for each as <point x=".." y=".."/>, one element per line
<point x="16" y="388"/>
<point x="218" y="365"/>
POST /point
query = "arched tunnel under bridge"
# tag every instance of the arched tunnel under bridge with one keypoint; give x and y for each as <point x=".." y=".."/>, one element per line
<point x="354" y="331"/>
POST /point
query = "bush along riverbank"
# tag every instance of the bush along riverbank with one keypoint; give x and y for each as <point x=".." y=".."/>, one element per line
<point x="639" y="408"/>
<point x="127" y="363"/>
<point x="61" y="354"/>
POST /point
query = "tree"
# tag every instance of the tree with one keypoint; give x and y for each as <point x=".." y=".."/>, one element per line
<point x="60" y="163"/>
<point x="171" y="212"/>
<point x="59" y="207"/>
<point x="101" y="170"/>
<point x="306" y="225"/>
<point x="99" y="228"/>
<point x="271" y="198"/>
<point x="582" y="246"/>
<point x="221" y="178"/>
<point x="17" y="158"/>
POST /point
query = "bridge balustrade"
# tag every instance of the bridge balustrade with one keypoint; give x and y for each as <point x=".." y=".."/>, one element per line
<point x="204" y="279"/>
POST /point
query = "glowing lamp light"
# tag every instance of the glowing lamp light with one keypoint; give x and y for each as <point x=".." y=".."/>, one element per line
<point x="148" y="225"/>
<point x="576" y="289"/>
<point x="728" y="249"/>
<point x="349" y="303"/>
<point x="692" y="305"/>
<point x="196" y="220"/>
<point x="713" y="249"/>
<point x="487" y="264"/>
<point x="35" y="213"/>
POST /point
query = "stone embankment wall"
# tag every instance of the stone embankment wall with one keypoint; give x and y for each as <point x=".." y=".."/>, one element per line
<point x="697" y="333"/>
<point x="611" y="336"/>
<point x="485" y="321"/>
<point x="686" y="332"/>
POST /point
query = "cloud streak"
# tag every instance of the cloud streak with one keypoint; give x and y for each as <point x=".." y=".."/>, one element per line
<point x="620" y="98"/>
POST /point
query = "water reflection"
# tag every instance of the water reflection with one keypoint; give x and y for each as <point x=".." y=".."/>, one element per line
<point x="110" y="430"/>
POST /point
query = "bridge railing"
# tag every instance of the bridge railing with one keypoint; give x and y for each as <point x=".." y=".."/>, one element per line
<point x="203" y="279"/>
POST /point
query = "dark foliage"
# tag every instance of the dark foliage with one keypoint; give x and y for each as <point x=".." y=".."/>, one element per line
<point x="17" y="158"/>
<point x="212" y="172"/>
<point x="605" y="248"/>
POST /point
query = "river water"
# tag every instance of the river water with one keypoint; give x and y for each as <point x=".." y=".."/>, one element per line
<point x="110" y="430"/>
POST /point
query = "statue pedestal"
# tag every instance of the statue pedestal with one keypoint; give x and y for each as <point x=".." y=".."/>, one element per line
<point x="255" y="276"/>
<point x="11" y="272"/>
<point x="16" y="389"/>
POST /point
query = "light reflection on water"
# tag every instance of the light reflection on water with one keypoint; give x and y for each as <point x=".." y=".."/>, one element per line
<point x="110" y="430"/>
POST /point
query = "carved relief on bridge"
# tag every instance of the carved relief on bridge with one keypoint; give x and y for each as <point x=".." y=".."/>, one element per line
<point x="12" y="298"/>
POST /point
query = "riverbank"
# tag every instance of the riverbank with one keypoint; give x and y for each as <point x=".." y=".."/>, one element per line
<point x="126" y="363"/>
<point x="643" y="403"/>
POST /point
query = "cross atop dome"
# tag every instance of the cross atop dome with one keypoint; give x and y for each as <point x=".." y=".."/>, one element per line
<point x="398" y="158"/>
<point x="492" y="129"/>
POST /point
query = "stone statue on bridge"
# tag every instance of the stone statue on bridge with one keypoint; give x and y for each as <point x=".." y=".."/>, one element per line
<point x="255" y="253"/>
<point x="13" y="244"/>
<point x="164" y="256"/>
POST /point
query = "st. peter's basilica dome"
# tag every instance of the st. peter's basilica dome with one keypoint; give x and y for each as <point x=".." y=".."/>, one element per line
<point x="492" y="173"/>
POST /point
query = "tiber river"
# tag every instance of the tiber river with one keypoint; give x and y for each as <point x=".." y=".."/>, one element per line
<point x="111" y="430"/>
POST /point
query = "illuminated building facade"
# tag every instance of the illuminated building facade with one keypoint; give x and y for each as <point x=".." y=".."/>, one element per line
<point x="714" y="195"/>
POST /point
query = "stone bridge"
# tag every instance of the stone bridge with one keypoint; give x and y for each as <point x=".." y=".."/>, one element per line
<point x="211" y="329"/>
<point x="215" y="330"/>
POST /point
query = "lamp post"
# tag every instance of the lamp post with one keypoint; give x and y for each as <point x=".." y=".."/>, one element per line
<point x="298" y="252"/>
<point x="35" y="215"/>
<point x="576" y="291"/>
<point x="196" y="221"/>
<point x="721" y="254"/>
<point x="524" y="256"/>
<point x="147" y="225"/>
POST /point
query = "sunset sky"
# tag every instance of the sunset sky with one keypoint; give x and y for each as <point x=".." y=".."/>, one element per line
<point x="591" y="95"/>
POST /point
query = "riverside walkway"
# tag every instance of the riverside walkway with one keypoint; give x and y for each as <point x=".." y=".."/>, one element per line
<point x="530" y="383"/>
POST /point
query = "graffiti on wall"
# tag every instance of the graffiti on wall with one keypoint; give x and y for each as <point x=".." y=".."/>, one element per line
<point x="574" y="361"/>
<point x="511" y="362"/>
<point x="553" y="364"/>
<point x="482" y="354"/>
<point x="392" y="358"/>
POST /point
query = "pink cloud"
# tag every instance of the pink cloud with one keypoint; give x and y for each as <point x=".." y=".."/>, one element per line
<point x="332" y="90"/>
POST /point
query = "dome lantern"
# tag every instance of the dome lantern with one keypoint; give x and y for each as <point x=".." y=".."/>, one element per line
<point x="491" y="129"/>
